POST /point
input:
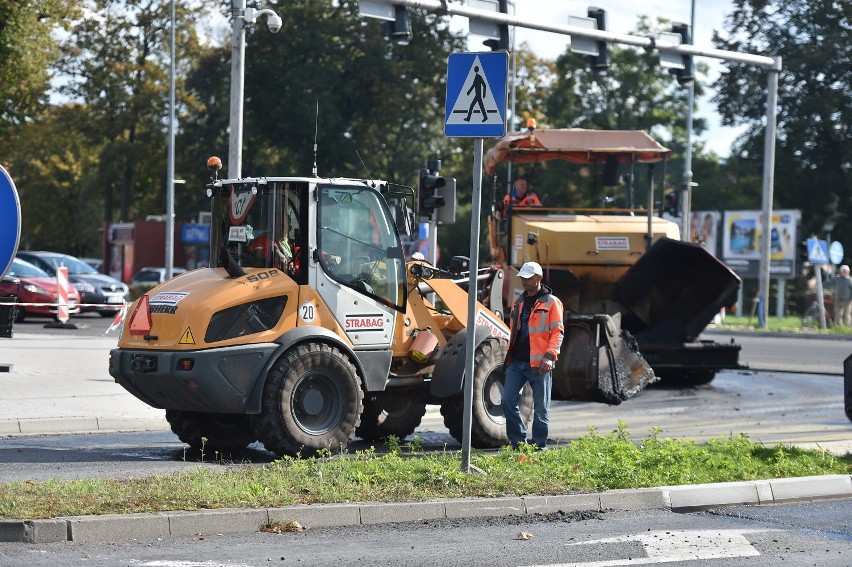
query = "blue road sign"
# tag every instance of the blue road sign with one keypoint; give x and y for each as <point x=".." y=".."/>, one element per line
<point x="835" y="252"/>
<point x="476" y="95"/>
<point x="817" y="251"/>
<point x="10" y="221"/>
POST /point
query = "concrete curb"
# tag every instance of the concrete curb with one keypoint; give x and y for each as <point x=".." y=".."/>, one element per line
<point x="124" y="527"/>
<point x="81" y="424"/>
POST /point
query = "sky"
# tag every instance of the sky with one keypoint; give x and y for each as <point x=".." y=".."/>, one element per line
<point x="622" y="16"/>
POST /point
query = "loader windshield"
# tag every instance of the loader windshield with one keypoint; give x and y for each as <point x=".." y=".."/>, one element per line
<point x="359" y="244"/>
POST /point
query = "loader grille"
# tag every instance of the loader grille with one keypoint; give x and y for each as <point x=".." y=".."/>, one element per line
<point x="245" y="319"/>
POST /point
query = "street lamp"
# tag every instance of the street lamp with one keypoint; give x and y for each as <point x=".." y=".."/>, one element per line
<point x="241" y="16"/>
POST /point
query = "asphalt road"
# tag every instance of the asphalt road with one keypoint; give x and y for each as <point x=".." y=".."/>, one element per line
<point x="796" y="535"/>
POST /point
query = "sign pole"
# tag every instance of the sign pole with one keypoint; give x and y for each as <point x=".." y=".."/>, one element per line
<point x="476" y="108"/>
<point x="471" y="303"/>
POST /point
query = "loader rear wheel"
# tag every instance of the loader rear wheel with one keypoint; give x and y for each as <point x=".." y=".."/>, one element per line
<point x="311" y="401"/>
<point x="384" y="416"/>
<point x="488" y="423"/>
<point x="211" y="431"/>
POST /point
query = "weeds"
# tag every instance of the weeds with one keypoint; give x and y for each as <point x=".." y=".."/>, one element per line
<point x="405" y="473"/>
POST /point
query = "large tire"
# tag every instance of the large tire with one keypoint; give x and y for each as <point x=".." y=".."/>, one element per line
<point x="311" y="401"/>
<point x="212" y="431"/>
<point x="488" y="423"/>
<point x="384" y="416"/>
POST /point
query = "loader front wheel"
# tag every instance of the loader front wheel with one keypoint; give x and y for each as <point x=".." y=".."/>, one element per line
<point x="488" y="423"/>
<point x="211" y="431"/>
<point x="312" y="400"/>
<point x="384" y="416"/>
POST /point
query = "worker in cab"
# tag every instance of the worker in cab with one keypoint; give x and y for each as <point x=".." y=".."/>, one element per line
<point x="519" y="196"/>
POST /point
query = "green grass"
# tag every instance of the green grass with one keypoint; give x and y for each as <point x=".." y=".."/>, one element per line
<point x="594" y="462"/>
<point x="779" y="325"/>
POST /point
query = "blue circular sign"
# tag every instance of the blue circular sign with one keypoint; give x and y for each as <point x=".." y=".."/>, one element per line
<point x="10" y="221"/>
<point x="835" y="252"/>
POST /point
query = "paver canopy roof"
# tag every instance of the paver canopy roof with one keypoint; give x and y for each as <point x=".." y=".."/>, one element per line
<point x="575" y="145"/>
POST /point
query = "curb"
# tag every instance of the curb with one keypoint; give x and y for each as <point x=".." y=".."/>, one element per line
<point x="81" y="424"/>
<point x="799" y="335"/>
<point x="686" y="498"/>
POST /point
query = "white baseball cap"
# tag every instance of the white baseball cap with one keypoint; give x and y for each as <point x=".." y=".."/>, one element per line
<point x="530" y="269"/>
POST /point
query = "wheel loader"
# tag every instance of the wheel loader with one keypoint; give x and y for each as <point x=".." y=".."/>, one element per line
<point x="626" y="263"/>
<point x="312" y="328"/>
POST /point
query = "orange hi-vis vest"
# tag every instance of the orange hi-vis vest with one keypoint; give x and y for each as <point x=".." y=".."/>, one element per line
<point x="546" y="327"/>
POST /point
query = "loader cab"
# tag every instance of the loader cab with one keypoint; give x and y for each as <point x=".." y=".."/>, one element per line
<point x="336" y="235"/>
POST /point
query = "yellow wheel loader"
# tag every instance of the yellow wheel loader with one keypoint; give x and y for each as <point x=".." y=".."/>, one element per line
<point x="312" y="328"/>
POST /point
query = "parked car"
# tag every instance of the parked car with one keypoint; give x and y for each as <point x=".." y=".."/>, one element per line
<point x="96" y="263"/>
<point x="153" y="276"/>
<point x="99" y="293"/>
<point x="31" y="284"/>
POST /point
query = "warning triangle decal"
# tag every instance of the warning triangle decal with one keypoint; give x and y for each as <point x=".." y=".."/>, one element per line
<point x="140" y="320"/>
<point x="475" y="103"/>
<point x="187" y="338"/>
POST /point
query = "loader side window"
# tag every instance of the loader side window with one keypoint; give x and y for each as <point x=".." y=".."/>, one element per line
<point x="359" y="245"/>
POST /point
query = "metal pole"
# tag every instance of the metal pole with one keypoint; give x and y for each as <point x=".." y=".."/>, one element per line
<point x="687" y="162"/>
<point x="170" y="168"/>
<point x="768" y="182"/>
<point x="471" y="303"/>
<point x="820" y="295"/>
<point x="648" y="43"/>
<point x="238" y="55"/>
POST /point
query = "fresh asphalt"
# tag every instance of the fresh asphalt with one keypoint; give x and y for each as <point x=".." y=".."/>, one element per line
<point x="59" y="384"/>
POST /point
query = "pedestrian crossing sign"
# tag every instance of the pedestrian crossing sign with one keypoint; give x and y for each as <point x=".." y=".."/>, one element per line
<point x="817" y="251"/>
<point x="476" y="95"/>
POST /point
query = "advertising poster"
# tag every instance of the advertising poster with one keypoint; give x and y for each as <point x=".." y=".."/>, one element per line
<point x="703" y="229"/>
<point x="741" y="236"/>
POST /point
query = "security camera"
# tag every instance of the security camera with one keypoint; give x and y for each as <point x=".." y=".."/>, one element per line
<point x="274" y="23"/>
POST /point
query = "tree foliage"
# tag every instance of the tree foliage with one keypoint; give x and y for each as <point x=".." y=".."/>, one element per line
<point x="117" y="64"/>
<point x="813" y="152"/>
<point x="93" y="148"/>
<point x="28" y="48"/>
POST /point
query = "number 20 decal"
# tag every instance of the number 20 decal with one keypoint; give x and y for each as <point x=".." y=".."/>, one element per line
<point x="307" y="312"/>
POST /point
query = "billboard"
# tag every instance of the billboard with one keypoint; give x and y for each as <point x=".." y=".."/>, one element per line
<point x="741" y="236"/>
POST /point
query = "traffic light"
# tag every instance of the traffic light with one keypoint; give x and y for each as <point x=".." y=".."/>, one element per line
<point x="803" y="257"/>
<point x="429" y="200"/>
<point x="399" y="30"/>
<point x="501" y="44"/>
<point x="600" y="62"/>
<point x="684" y="76"/>
<point x="670" y="204"/>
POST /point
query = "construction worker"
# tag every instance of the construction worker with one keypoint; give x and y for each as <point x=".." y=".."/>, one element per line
<point x="537" y="330"/>
<point x="519" y="196"/>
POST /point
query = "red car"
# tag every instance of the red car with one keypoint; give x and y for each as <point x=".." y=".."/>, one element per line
<point x="32" y="285"/>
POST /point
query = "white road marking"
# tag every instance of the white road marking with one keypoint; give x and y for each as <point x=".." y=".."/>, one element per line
<point x="672" y="545"/>
<point x="167" y="563"/>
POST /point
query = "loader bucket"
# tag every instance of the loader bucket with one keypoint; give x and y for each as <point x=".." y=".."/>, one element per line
<point x="599" y="362"/>
<point x="673" y="291"/>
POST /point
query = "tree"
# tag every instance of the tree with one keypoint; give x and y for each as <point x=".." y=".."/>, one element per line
<point x="53" y="167"/>
<point x="27" y="51"/>
<point x="116" y="61"/>
<point x="813" y="148"/>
